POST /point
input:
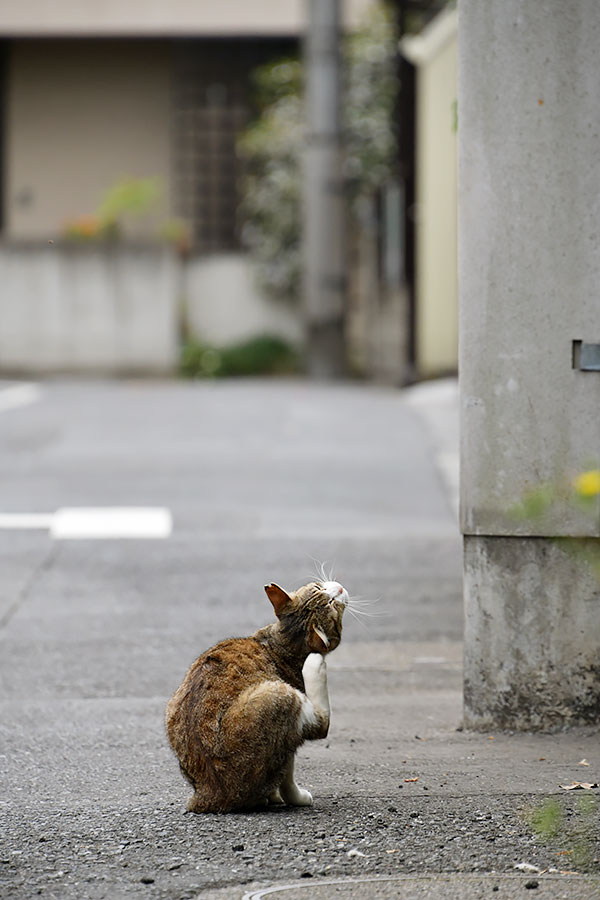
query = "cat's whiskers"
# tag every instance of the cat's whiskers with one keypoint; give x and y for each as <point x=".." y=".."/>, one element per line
<point x="357" y="606"/>
<point x="356" y="615"/>
<point x="358" y="598"/>
<point x="362" y="612"/>
<point x="322" y="573"/>
<point x="326" y="576"/>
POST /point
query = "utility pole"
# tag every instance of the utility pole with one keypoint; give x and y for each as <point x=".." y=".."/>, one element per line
<point x="324" y="261"/>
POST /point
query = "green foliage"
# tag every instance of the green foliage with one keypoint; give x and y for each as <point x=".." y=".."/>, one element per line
<point x="573" y="831"/>
<point x="273" y="145"/>
<point x="276" y="81"/>
<point x="128" y="197"/>
<point x="535" y="502"/>
<point x="579" y="494"/>
<point x="547" y="819"/>
<point x="454" y="117"/>
<point x="585" y="834"/>
<point x="270" y="207"/>
<point x="368" y="109"/>
<point x="262" y="355"/>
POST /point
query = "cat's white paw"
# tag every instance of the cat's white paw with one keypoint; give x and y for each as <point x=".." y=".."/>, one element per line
<point x="297" y="796"/>
<point x="303" y="798"/>
<point x="315" y="667"/>
<point x="314" y="673"/>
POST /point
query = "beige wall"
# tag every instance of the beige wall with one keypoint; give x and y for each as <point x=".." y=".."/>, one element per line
<point x="80" y="116"/>
<point x="435" y="55"/>
<point x="161" y="17"/>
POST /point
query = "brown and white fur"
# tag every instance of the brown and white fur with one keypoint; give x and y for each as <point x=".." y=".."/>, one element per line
<point x="247" y="704"/>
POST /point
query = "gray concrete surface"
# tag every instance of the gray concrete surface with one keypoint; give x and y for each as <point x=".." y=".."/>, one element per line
<point x="532" y="634"/>
<point x="261" y="478"/>
<point x="529" y="273"/>
<point x="529" y="297"/>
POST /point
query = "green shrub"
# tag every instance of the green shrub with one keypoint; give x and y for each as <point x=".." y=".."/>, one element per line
<point x="261" y="355"/>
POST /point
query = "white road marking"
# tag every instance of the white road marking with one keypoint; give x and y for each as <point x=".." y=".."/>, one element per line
<point x="25" y="521"/>
<point x="117" y="522"/>
<point x="95" y="523"/>
<point x="18" y="395"/>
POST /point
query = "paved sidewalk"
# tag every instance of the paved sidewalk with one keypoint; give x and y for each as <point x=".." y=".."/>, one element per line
<point x="261" y="478"/>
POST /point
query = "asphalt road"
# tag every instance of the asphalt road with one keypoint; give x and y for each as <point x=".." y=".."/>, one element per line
<point x="261" y="480"/>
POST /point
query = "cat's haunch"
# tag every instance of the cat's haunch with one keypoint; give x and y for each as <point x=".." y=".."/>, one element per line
<point x="247" y="704"/>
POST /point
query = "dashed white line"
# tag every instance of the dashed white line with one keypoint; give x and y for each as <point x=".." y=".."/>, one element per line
<point x="95" y="523"/>
<point x="108" y="523"/>
<point x="25" y="521"/>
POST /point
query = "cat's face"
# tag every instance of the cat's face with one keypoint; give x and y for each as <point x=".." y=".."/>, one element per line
<point x="312" y="614"/>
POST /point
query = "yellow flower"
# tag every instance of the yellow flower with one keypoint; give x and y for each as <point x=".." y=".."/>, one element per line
<point x="588" y="483"/>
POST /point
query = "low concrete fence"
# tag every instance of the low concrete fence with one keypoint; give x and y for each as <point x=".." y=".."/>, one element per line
<point x="118" y="308"/>
<point x="102" y="308"/>
<point x="225" y="304"/>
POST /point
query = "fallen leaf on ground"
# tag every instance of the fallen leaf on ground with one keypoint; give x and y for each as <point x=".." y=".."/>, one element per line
<point x="579" y="785"/>
<point x="583" y="762"/>
<point x="408" y="780"/>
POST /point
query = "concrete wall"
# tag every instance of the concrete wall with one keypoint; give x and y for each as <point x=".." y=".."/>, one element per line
<point x="88" y="309"/>
<point x="81" y="115"/>
<point x="531" y="635"/>
<point x="434" y="52"/>
<point x="224" y="303"/>
<point x="529" y="267"/>
<point x="161" y="17"/>
<point x="529" y="255"/>
<point x="118" y="309"/>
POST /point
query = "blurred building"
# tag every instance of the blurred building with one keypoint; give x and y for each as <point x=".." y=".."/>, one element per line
<point x="92" y="92"/>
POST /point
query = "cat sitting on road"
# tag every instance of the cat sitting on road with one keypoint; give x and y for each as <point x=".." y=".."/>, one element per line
<point x="247" y="704"/>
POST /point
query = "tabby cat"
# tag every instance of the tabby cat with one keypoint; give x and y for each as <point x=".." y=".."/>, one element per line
<point x="247" y="704"/>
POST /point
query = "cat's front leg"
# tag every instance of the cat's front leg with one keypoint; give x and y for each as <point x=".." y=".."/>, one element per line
<point x="314" y="673"/>
<point x="289" y="790"/>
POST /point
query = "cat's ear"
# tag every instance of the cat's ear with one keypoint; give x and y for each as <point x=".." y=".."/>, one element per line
<point x="318" y="642"/>
<point x="278" y="598"/>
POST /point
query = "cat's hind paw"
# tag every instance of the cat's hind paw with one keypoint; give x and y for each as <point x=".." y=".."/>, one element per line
<point x="275" y="798"/>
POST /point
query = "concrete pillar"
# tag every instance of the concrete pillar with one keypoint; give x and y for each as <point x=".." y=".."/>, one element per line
<point x="529" y="276"/>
